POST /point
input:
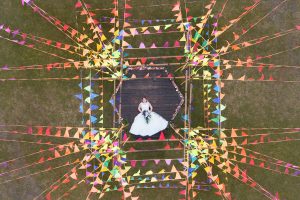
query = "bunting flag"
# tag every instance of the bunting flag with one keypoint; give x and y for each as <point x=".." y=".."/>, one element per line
<point x="196" y="154"/>
<point x="26" y="39"/>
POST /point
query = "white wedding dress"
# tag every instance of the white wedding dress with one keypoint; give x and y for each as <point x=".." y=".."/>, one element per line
<point x="155" y="124"/>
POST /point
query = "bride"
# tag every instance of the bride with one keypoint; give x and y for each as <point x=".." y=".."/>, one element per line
<point x="147" y="122"/>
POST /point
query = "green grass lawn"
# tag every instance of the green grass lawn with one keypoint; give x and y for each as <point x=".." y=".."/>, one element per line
<point x="52" y="103"/>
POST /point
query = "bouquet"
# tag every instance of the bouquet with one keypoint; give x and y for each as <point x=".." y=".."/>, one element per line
<point x="147" y="115"/>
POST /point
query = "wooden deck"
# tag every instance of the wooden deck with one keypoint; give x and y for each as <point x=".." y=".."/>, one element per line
<point x="161" y="93"/>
